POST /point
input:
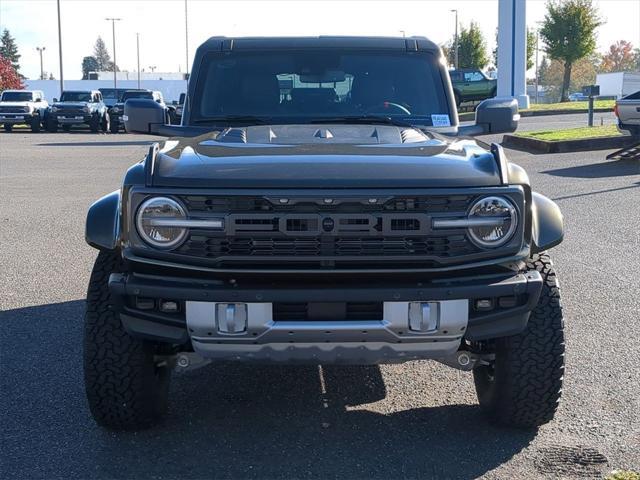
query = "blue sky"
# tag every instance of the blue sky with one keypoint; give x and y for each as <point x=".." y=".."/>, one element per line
<point x="162" y="36"/>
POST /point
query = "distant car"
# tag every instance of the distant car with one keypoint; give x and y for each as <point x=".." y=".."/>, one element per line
<point x="627" y="110"/>
<point x="117" y="111"/>
<point x="176" y="113"/>
<point x="111" y="96"/>
<point x="578" y="97"/>
<point x="472" y="85"/>
<point x="22" y="107"/>
<point x="78" y="107"/>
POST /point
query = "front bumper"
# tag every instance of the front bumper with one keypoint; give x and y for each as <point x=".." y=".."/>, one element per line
<point x="74" y="120"/>
<point x="18" y="118"/>
<point x="384" y="340"/>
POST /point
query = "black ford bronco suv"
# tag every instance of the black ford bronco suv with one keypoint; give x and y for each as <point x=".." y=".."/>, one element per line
<point x="320" y="203"/>
<point x="78" y="108"/>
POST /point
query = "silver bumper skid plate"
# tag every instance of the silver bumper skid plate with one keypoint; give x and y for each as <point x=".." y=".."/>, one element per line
<point x="247" y="331"/>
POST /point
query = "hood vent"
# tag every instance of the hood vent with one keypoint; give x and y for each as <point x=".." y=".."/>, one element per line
<point x="323" y="133"/>
<point x="409" y="135"/>
<point x="233" y="135"/>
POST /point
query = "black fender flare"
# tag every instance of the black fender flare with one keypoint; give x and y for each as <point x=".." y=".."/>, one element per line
<point x="102" y="229"/>
<point x="547" y="223"/>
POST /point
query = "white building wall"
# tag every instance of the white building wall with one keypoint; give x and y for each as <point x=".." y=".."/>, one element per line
<point x="171" y="89"/>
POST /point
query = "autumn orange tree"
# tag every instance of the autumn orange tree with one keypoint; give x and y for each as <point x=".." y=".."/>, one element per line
<point x="9" y="78"/>
<point x="621" y="57"/>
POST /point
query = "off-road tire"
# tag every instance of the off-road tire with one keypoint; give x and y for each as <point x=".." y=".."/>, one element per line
<point x="52" y="125"/>
<point x="114" y="127"/>
<point x="523" y="386"/>
<point x="105" y="123"/>
<point x="36" y="123"/>
<point x="125" y="387"/>
<point x="7" y="127"/>
<point x="94" y="123"/>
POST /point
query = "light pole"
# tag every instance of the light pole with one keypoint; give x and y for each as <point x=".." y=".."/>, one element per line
<point x="40" y="50"/>
<point x="186" y="38"/>
<point x="455" y="44"/>
<point x="138" y="55"/>
<point x="60" y="49"/>
<point x="403" y="33"/>
<point x="152" y="68"/>
<point x="113" y="31"/>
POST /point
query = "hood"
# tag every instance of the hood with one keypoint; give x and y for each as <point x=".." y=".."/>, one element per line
<point x="323" y="156"/>
<point x="27" y="103"/>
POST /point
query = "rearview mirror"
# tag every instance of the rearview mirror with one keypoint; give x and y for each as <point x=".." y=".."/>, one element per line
<point x="496" y="115"/>
<point x="143" y="115"/>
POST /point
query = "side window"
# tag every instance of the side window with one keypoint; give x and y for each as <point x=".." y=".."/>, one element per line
<point x="473" y="77"/>
<point x="455" y="76"/>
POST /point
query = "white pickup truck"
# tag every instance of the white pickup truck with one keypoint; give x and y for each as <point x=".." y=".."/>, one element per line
<point x="627" y="110"/>
<point x="26" y="107"/>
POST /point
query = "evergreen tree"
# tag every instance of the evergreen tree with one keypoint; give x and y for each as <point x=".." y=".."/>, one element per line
<point x="101" y="55"/>
<point x="9" y="49"/>
<point x="472" y="48"/>
<point x="89" y="64"/>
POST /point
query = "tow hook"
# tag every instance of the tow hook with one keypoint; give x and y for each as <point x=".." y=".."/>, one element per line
<point x="465" y="360"/>
<point x="186" y="361"/>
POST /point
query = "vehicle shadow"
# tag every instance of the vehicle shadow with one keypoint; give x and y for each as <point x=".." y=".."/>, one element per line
<point x="602" y="169"/>
<point x="228" y="420"/>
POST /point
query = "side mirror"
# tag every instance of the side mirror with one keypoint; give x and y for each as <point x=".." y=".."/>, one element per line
<point x="38" y="100"/>
<point x="55" y="100"/>
<point x="496" y="115"/>
<point x="142" y="115"/>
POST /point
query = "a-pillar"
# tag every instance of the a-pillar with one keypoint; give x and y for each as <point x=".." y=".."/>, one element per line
<point x="512" y="51"/>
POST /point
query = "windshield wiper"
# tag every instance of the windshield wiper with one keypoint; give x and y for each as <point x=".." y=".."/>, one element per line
<point x="366" y="119"/>
<point x="235" y="119"/>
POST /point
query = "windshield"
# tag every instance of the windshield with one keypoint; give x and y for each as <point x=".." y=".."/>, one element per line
<point x="127" y="95"/>
<point x="111" y="93"/>
<point x="310" y="85"/>
<point x="75" y="97"/>
<point x="16" y="96"/>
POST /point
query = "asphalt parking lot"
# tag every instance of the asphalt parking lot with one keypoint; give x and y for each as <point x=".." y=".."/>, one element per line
<point x="417" y="420"/>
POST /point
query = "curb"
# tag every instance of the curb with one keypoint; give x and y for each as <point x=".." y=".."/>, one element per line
<point x="467" y="116"/>
<point x="534" y="145"/>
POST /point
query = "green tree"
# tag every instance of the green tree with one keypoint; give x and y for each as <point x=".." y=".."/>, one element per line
<point x="531" y="49"/>
<point x="569" y="34"/>
<point x="543" y="72"/>
<point x="89" y="64"/>
<point x="101" y="54"/>
<point x="472" y="48"/>
<point x="9" y="49"/>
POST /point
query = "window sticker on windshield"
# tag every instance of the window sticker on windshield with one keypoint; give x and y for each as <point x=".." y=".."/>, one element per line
<point x="440" y="120"/>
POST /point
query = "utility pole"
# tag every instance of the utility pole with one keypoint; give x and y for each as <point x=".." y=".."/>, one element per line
<point x="186" y="37"/>
<point x="455" y="52"/>
<point x="138" y="55"/>
<point x="40" y="50"/>
<point x="537" y="43"/>
<point x="60" y="49"/>
<point x="113" y="32"/>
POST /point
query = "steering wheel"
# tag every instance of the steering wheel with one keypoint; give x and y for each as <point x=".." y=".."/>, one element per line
<point x="384" y="106"/>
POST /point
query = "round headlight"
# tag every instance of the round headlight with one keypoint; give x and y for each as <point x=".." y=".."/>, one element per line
<point x="26" y="109"/>
<point x="115" y="109"/>
<point x="54" y="109"/>
<point x="85" y="109"/>
<point x="154" y="219"/>
<point x="494" y="220"/>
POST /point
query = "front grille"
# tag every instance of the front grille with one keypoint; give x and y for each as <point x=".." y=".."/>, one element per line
<point x="199" y="245"/>
<point x="70" y="111"/>
<point x="12" y="110"/>
<point x="386" y="231"/>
